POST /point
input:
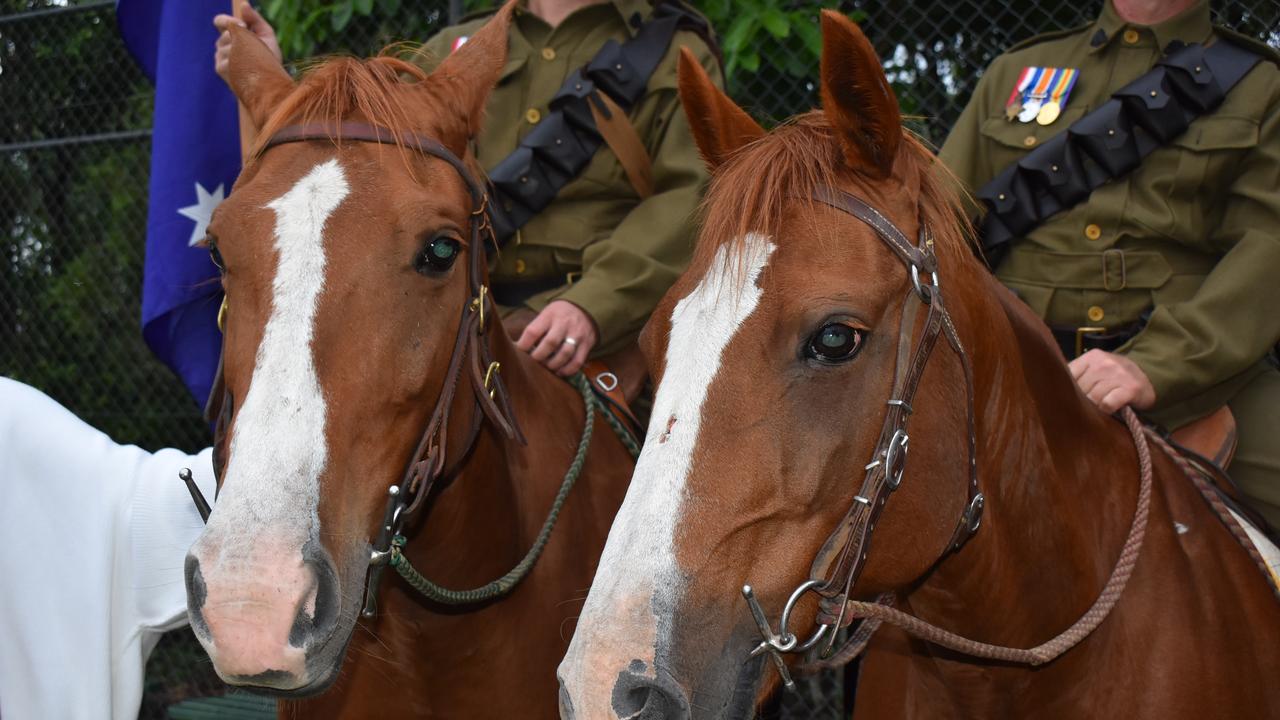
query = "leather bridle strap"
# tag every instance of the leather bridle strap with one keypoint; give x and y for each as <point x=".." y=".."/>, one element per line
<point x="843" y="556"/>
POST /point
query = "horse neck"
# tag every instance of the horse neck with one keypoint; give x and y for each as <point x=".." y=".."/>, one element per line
<point x="501" y="487"/>
<point x="1060" y="479"/>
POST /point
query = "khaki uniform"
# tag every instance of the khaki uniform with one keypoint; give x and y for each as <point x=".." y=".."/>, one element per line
<point x="617" y="254"/>
<point x="1194" y="232"/>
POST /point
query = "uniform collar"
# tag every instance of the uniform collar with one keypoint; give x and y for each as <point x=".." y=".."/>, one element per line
<point x="1192" y="25"/>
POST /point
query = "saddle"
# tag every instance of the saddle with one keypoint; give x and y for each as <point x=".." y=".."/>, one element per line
<point x="1212" y="437"/>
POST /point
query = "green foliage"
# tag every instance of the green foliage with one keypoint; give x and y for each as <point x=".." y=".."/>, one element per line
<point x="775" y="43"/>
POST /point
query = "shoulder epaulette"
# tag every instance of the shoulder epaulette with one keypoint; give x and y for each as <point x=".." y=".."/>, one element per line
<point x="1045" y="37"/>
<point x="1250" y="43"/>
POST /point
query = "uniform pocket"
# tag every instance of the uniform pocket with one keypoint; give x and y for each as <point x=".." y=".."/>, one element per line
<point x="1187" y="178"/>
<point x="1010" y="141"/>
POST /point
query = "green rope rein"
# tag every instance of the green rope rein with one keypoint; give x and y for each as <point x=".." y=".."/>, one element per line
<point x="507" y="582"/>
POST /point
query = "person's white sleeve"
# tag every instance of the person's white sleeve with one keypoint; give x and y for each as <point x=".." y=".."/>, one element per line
<point x="92" y="541"/>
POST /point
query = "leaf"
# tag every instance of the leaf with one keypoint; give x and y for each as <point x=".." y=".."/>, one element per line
<point x="776" y="22"/>
<point x="342" y="14"/>
<point x="811" y="33"/>
<point x="750" y="62"/>
<point x="364" y="7"/>
<point x="389" y="7"/>
<point x="741" y="32"/>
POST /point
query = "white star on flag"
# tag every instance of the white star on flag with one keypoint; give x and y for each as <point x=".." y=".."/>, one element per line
<point x="202" y="211"/>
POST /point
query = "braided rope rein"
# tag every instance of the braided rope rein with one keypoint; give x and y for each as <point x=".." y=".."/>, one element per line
<point x="875" y="613"/>
<point x="1214" y="500"/>
<point x="505" y="584"/>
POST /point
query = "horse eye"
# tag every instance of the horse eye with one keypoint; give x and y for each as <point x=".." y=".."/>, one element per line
<point x="438" y="255"/>
<point x="214" y="254"/>
<point x="834" y="342"/>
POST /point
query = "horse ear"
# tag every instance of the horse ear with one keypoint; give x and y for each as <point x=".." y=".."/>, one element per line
<point x="857" y="99"/>
<point x="468" y="74"/>
<point x="719" y="126"/>
<point x="255" y="76"/>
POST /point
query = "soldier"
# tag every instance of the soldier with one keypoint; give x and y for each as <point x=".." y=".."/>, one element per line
<point x="579" y="276"/>
<point x="1153" y="259"/>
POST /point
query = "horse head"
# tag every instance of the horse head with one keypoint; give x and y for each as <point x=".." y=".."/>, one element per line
<point x="774" y="357"/>
<point x="348" y="267"/>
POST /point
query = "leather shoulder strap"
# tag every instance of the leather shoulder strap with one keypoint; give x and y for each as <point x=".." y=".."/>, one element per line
<point x="1110" y="142"/>
<point x="568" y="136"/>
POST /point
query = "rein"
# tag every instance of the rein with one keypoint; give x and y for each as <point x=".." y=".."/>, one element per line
<point x="472" y="356"/>
<point x="842" y="557"/>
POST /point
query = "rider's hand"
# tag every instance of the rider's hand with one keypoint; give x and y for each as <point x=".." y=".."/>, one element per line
<point x="255" y="24"/>
<point x="560" y="337"/>
<point x="1112" y="381"/>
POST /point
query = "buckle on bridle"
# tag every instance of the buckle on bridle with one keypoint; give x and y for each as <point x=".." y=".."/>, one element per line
<point x="491" y="374"/>
<point x="478" y="303"/>
<point x="924" y="291"/>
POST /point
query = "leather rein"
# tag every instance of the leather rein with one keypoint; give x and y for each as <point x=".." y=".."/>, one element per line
<point x="471" y="353"/>
<point x="841" y="559"/>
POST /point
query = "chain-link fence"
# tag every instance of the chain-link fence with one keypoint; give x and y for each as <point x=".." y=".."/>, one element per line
<point x="74" y="152"/>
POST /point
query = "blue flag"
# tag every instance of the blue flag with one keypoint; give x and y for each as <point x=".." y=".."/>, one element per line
<point x="195" y="157"/>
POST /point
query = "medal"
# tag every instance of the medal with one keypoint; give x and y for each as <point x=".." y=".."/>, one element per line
<point x="1030" y="109"/>
<point x="1060" y="86"/>
<point x="1011" y="110"/>
<point x="1048" y="113"/>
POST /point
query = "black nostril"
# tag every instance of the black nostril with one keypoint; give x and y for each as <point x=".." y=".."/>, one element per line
<point x="314" y="629"/>
<point x="196" y="593"/>
<point x="636" y="696"/>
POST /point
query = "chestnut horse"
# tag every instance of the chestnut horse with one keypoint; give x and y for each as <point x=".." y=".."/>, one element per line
<point x="775" y="354"/>
<point x="356" y="315"/>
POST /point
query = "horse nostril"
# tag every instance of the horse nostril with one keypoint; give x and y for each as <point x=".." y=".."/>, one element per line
<point x="639" y="697"/>
<point x="196" y="593"/>
<point x="317" y="614"/>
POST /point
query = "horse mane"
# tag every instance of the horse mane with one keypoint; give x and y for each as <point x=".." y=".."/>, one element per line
<point x="750" y="191"/>
<point x="386" y="90"/>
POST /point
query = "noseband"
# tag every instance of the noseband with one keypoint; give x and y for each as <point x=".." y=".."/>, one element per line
<point x="843" y="556"/>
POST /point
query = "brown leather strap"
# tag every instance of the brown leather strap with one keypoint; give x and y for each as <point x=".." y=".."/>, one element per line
<point x="616" y="129"/>
<point x="605" y="383"/>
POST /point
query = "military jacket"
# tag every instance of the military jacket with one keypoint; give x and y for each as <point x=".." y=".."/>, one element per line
<point x="1193" y="232"/>
<point x="617" y="254"/>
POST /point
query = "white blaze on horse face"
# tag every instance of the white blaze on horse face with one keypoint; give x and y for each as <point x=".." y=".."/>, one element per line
<point x="267" y="509"/>
<point x="639" y="581"/>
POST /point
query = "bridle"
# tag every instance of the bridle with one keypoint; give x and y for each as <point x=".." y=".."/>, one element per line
<point x="471" y="353"/>
<point x="841" y="559"/>
<point x="838" y="564"/>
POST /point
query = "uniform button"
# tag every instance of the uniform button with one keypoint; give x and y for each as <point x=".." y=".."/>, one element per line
<point x="520" y="266"/>
<point x="1029" y="140"/>
<point x="532" y="116"/>
<point x="1096" y="314"/>
<point x="1131" y="36"/>
<point x="548" y="54"/>
<point x="1092" y="231"/>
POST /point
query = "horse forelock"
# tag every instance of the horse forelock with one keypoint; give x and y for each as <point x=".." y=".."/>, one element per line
<point x="750" y="192"/>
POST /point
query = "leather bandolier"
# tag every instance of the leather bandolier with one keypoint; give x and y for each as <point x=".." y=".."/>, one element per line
<point x="568" y="136"/>
<point x="1110" y="142"/>
<point x="1107" y="144"/>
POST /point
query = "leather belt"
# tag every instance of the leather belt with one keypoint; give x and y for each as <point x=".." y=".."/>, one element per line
<point x="515" y="294"/>
<point x="1076" y="341"/>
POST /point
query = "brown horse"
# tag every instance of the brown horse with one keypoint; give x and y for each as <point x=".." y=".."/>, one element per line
<point x="775" y="355"/>
<point x="354" y="274"/>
